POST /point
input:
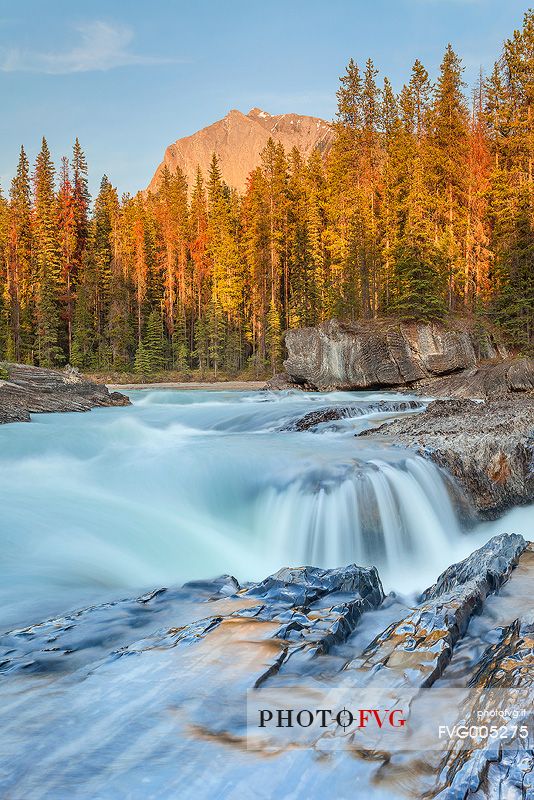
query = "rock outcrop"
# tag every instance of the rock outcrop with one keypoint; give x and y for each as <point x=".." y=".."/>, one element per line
<point x="487" y="447"/>
<point x="282" y="381"/>
<point x="238" y="140"/>
<point x="313" y="419"/>
<point x="150" y="694"/>
<point x="30" y="390"/>
<point x="484" y="381"/>
<point x="338" y="355"/>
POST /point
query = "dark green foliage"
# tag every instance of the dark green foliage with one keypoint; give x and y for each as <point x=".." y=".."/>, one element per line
<point x="419" y="285"/>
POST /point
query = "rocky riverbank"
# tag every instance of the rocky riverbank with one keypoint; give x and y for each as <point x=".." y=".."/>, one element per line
<point x="27" y="390"/>
<point x="171" y="670"/>
<point x="384" y="354"/>
<point x="487" y="447"/>
<point x="453" y="360"/>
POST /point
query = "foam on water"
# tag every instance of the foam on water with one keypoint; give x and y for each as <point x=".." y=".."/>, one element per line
<point x="185" y="485"/>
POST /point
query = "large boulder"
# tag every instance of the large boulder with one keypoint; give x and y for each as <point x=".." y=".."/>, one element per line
<point x="383" y="354"/>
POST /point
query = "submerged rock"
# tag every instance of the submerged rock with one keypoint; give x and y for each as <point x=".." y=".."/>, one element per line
<point x="30" y="390"/>
<point x="314" y="418"/>
<point x="488" y="448"/>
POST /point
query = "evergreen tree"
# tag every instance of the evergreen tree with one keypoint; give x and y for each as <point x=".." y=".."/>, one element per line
<point x="449" y="142"/>
<point x="67" y="247"/>
<point x="180" y="348"/>
<point x="274" y="338"/>
<point x="81" y="200"/>
<point x="47" y="265"/>
<point x="142" y="363"/>
<point x="418" y="275"/>
<point x="19" y="292"/>
<point x="154" y="342"/>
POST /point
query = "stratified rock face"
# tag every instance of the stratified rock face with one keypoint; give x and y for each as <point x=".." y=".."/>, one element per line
<point x="83" y="696"/>
<point x="32" y="389"/>
<point x="487" y="447"/>
<point x="360" y="356"/>
<point x="484" y="381"/>
<point x="238" y="140"/>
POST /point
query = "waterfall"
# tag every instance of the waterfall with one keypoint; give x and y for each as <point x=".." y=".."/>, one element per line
<point x="186" y="485"/>
<point x="397" y="516"/>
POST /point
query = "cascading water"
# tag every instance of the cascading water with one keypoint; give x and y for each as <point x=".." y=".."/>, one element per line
<point x="186" y="485"/>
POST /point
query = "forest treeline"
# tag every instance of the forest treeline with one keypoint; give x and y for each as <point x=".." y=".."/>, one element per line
<point x="423" y="207"/>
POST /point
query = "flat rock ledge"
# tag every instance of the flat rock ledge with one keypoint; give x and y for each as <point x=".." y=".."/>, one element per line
<point x="488" y="448"/>
<point x="30" y="390"/>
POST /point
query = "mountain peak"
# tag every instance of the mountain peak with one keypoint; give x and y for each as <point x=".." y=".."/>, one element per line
<point x="238" y="140"/>
<point x="257" y="112"/>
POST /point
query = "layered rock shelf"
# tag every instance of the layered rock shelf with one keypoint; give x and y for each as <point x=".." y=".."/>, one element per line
<point x="453" y="360"/>
<point x="488" y="448"/>
<point x="337" y="355"/>
<point x="27" y="390"/>
<point x="181" y="662"/>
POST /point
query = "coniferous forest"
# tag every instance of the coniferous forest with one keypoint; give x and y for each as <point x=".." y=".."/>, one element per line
<point x="424" y="207"/>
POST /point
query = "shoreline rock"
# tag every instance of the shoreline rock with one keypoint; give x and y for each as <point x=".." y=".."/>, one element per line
<point x="488" y="448"/>
<point x="510" y="377"/>
<point x="30" y="390"/>
<point x="384" y="354"/>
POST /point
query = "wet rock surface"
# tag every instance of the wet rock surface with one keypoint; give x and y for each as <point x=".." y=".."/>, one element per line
<point x="330" y="414"/>
<point x="488" y="448"/>
<point x="337" y="355"/>
<point x="146" y="697"/>
<point x="30" y="390"/>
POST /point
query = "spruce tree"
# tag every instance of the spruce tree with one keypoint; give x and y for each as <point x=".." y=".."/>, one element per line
<point x="418" y="275"/>
<point x="274" y="338"/>
<point x="449" y="169"/>
<point x="19" y="299"/>
<point x="47" y="263"/>
<point x="154" y="342"/>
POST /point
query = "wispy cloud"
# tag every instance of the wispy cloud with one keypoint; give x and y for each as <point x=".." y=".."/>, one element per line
<point x="102" y="46"/>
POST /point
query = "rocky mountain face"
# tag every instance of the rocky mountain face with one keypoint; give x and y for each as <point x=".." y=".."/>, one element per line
<point x="238" y="140"/>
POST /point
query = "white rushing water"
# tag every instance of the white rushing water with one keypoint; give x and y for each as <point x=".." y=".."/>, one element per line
<point x="185" y="485"/>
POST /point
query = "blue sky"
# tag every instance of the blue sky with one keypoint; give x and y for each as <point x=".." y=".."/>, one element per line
<point x="128" y="78"/>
